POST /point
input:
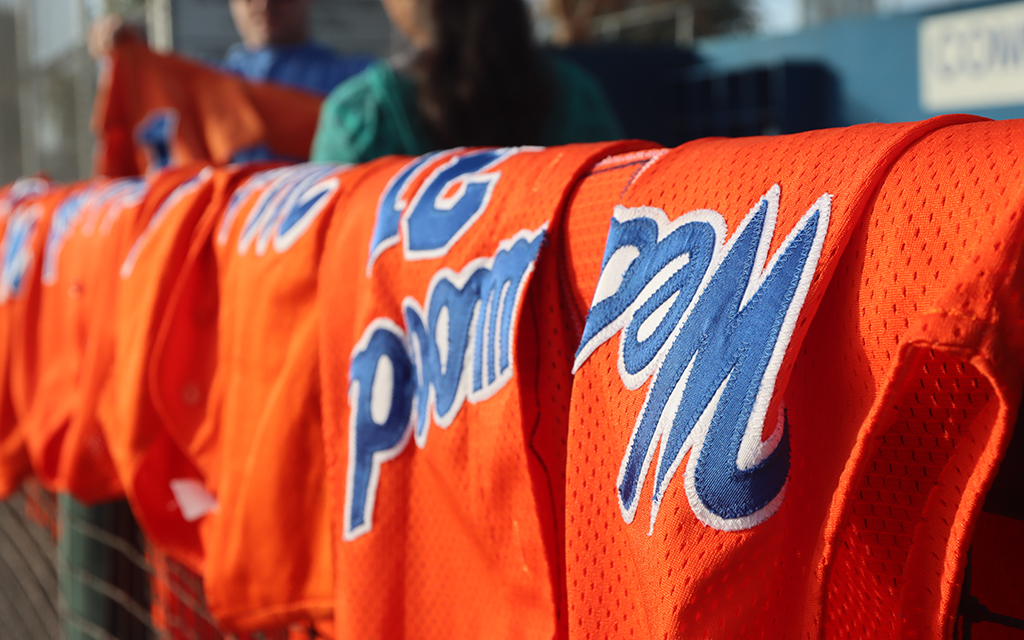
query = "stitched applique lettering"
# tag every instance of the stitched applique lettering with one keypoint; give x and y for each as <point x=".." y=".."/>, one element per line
<point x="452" y="197"/>
<point x="286" y="208"/>
<point x="17" y="251"/>
<point x="707" y="322"/>
<point x="456" y="346"/>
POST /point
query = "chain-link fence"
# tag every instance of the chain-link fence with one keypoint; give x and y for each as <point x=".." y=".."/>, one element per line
<point x="28" y="569"/>
<point x="77" y="572"/>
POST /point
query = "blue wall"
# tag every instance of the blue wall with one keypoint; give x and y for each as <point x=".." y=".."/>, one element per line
<point x="874" y="59"/>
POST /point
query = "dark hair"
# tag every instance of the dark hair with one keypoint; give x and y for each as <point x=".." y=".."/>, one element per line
<point x="482" y="81"/>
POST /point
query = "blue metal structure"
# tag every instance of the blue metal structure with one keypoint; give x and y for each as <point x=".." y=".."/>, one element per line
<point x="874" y="60"/>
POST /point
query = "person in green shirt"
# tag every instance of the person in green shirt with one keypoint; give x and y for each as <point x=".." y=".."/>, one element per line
<point x="475" y="79"/>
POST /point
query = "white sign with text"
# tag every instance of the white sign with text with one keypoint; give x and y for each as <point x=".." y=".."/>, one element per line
<point x="970" y="59"/>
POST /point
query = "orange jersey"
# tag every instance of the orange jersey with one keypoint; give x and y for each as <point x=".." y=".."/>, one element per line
<point x="147" y="459"/>
<point x="155" y="111"/>
<point x="19" y="222"/>
<point x="441" y="416"/>
<point x="67" y="450"/>
<point x="30" y="226"/>
<point x="798" y="372"/>
<point x="96" y="251"/>
<point x="946" y="360"/>
<point x="237" y="376"/>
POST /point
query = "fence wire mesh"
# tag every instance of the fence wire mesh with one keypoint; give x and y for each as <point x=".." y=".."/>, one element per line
<point x="77" y="572"/>
<point x="28" y="569"/>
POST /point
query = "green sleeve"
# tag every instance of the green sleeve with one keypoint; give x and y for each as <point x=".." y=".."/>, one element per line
<point x="581" y="112"/>
<point x="366" y="117"/>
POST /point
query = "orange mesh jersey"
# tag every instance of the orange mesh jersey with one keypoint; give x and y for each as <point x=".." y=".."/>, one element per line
<point x="238" y="378"/>
<point x="28" y="230"/>
<point x="19" y="223"/>
<point x="443" y="421"/>
<point x="798" y="372"/>
<point x="155" y="111"/>
<point x="147" y="459"/>
<point x="66" y="446"/>
<point x="938" y="280"/>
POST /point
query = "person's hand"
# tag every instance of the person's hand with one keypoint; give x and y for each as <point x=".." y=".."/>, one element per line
<point x="106" y="32"/>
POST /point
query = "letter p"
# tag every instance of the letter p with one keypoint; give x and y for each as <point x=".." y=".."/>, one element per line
<point x="381" y="392"/>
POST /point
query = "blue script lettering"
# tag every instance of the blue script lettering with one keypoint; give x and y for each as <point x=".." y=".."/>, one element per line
<point x="155" y="134"/>
<point x="392" y="204"/>
<point x="445" y="205"/>
<point x="17" y="251"/>
<point x="288" y="207"/>
<point x="708" y="323"/>
<point x="458" y="346"/>
<point x="63" y="219"/>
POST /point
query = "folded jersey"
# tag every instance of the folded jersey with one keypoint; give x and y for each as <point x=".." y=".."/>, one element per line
<point x="236" y="375"/>
<point x="20" y="210"/>
<point x="65" y="442"/>
<point x="444" y="453"/>
<point x="794" y="381"/>
<point x="146" y="457"/>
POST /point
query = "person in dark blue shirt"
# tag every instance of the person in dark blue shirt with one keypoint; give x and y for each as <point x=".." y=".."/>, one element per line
<point x="275" y="47"/>
<point x="307" y="66"/>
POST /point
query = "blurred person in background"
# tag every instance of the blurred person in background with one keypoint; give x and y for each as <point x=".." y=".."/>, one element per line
<point x="275" y="46"/>
<point x="473" y="77"/>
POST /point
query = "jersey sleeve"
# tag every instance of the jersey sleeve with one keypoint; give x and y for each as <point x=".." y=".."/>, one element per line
<point x="947" y="357"/>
